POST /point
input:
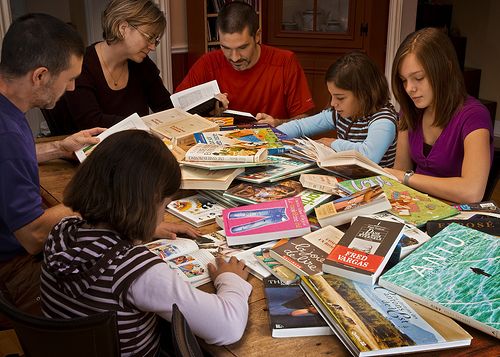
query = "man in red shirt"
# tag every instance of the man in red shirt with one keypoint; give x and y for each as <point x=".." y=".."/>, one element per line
<point x="253" y="78"/>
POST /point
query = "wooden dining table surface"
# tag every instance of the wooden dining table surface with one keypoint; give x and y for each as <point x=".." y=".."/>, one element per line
<point x="257" y="339"/>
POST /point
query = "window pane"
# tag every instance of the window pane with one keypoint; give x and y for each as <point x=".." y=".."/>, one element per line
<point x="330" y="16"/>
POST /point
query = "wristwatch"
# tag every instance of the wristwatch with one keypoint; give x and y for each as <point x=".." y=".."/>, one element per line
<point x="408" y="174"/>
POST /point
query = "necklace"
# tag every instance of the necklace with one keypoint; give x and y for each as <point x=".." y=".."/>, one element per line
<point x="115" y="81"/>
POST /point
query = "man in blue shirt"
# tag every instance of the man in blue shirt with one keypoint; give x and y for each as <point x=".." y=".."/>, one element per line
<point x="41" y="57"/>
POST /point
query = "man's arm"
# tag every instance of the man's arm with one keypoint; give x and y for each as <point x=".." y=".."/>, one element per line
<point x="32" y="236"/>
<point x="67" y="146"/>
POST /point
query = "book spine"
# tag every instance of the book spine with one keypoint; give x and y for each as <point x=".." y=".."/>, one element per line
<point x="197" y="157"/>
<point x="440" y="308"/>
<point x="275" y="151"/>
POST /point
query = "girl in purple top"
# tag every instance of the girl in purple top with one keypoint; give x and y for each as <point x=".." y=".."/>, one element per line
<point x="445" y="143"/>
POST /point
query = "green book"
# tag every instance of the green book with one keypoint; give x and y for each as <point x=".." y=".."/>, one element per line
<point x="456" y="273"/>
<point x="411" y="205"/>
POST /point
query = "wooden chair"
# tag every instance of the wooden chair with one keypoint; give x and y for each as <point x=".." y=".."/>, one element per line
<point x="184" y="341"/>
<point x="95" y="335"/>
<point x="493" y="177"/>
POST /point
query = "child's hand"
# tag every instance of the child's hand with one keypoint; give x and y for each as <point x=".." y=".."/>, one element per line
<point x="233" y="266"/>
<point x="171" y="230"/>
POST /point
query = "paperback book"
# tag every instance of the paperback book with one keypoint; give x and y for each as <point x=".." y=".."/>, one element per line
<point x="222" y="165"/>
<point x="248" y="138"/>
<point x="278" y="270"/>
<point x="411" y="205"/>
<point x="372" y="321"/>
<point x="199" y="99"/>
<point x="455" y="273"/>
<point x="364" y="250"/>
<point x="250" y="193"/>
<point x="291" y="313"/>
<point x="185" y="257"/>
<point x="349" y="164"/>
<point x="340" y="211"/>
<point x="197" y="210"/>
<point x="323" y="183"/>
<point x="412" y="237"/>
<point x="177" y="125"/>
<point x="305" y="255"/>
<point x="213" y="152"/>
<point x="281" y="166"/>
<point x="265" y="221"/>
<point x="287" y="141"/>
<point x="485" y="206"/>
<point x="490" y="225"/>
<point x="195" y="178"/>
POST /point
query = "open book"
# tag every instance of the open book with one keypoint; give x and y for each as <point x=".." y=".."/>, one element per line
<point x="199" y="99"/>
<point x="349" y="164"/>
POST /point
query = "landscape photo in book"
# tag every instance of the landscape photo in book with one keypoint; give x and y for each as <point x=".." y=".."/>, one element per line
<point x="409" y="204"/>
<point x="373" y="321"/>
<point x="456" y="273"/>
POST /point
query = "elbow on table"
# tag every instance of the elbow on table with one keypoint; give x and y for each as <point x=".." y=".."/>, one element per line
<point x="469" y="196"/>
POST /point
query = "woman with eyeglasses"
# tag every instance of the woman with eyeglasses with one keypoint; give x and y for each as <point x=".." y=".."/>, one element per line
<point x="118" y="78"/>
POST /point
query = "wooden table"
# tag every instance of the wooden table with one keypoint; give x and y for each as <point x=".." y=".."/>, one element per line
<point x="257" y="340"/>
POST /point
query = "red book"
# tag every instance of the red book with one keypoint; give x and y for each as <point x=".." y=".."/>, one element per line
<point x="364" y="250"/>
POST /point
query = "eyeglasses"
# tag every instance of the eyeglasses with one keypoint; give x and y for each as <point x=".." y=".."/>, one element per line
<point x="149" y="38"/>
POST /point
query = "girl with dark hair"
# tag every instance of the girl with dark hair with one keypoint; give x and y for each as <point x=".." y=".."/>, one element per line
<point x="445" y="146"/>
<point x="97" y="262"/>
<point x="360" y="111"/>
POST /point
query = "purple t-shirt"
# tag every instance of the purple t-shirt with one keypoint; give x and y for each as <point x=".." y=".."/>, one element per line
<point x="446" y="156"/>
<point x="20" y="200"/>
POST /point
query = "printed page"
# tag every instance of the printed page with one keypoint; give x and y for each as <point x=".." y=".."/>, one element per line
<point x="172" y="248"/>
<point x="194" y="96"/>
<point x="192" y="267"/>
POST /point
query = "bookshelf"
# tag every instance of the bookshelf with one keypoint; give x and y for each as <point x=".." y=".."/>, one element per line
<point x="202" y="17"/>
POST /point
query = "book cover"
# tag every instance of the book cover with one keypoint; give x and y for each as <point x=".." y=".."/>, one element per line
<point x="178" y="125"/>
<point x="412" y="237"/>
<point x="342" y="210"/>
<point x="248" y="138"/>
<point x="196" y="178"/>
<point x="291" y="313"/>
<point x="305" y="255"/>
<point x="223" y="165"/>
<point x="212" y="152"/>
<point x="261" y="222"/>
<point x="287" y="141"/>
<point x="278" y="270"/>
<point x="372" y="321"/>
<point x="490" y="225"/>
<point x="411" y="205"/>
<point x="485" y="206"/>
<point x="131" y="122"/>
<point x="197" y="210"/>
<point x="250" y="193"/>
<point x="281" y="166"/>
<point x="455" y="273"/>
<point x="184" y="256"/>
<point x="239" y="118"/>
<point x="364" y="250"/>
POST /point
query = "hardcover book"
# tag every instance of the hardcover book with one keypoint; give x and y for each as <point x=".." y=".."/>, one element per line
<point x="195" y="178"/>
<point x="212" y="152"/>
<point x="178" y="125"/>
<point x="199" y="99"/>
<point x="197" y="210"/>
<point x="305" y="255"/>
<point x="291" y="313"/>
<point x="364" y="250"/>
<point x="281" y="166"/>
<point x="265" y="221"/>
<point x="248" y="138"/>
<point x="372" y="321"/>
<point x="342" y="210"/>
<point x="488" y="225"/>
<point x="250" y="193"/>
<point x="185" y="257"/>
<point x="455" y="273"/>
<point x="409" y="204"/>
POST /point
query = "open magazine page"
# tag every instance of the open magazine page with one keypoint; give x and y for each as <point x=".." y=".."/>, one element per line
<point x="192" y="267"/>
<point x="194" y="96"/>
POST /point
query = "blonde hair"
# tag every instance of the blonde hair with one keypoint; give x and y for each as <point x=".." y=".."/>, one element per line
<point x="135" y="12"/>
<point x="437" y="56"/>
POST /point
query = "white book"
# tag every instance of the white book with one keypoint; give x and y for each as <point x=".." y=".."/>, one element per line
<point x="199" y="99"/>
<point x="202" y="179"/>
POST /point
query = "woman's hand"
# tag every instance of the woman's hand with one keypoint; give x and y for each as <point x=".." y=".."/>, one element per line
<point x="233" y="266"/>
<point x="171" y="230"/>
<point x="400" y="175"/>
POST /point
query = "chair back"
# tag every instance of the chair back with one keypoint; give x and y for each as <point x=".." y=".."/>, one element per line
<point x="95" y="335"/>
<point x="493" y="176"/>
<point x="185" y="343"/>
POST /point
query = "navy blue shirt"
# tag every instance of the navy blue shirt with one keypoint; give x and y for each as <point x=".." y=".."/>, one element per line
<point x="20" y="200"/>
